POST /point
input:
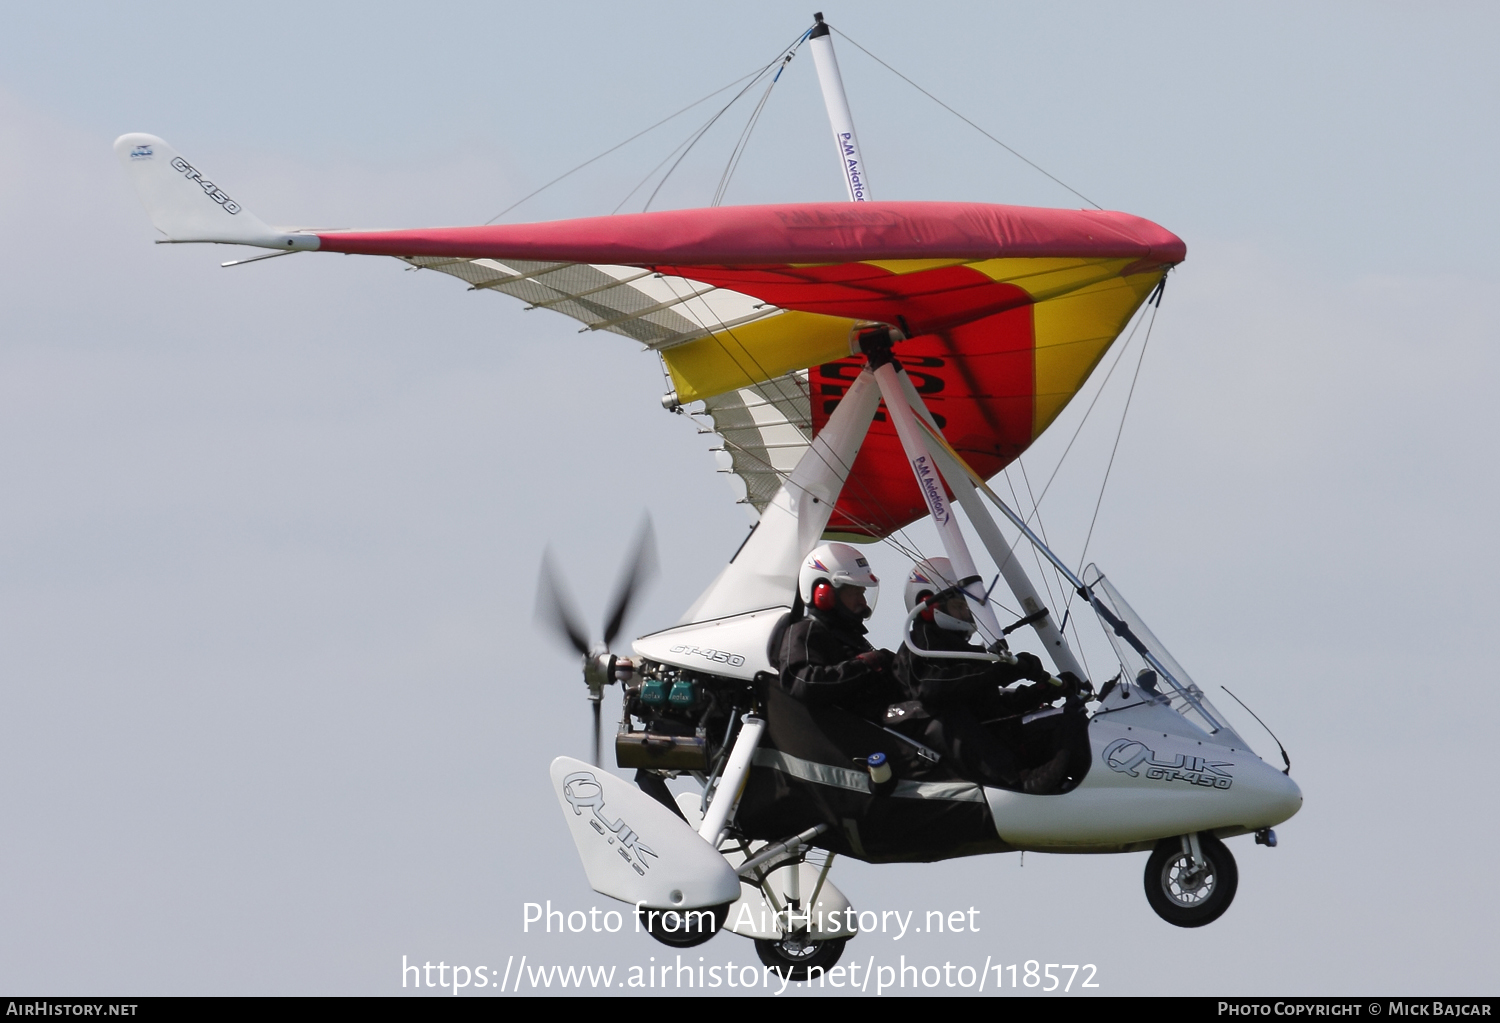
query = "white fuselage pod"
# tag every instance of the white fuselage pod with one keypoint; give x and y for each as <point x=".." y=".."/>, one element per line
<point x="734" y="647"/>
<point x="1151" y="778"/>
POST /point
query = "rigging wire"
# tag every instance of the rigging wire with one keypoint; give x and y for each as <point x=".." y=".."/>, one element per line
<point x="1035" y="554"/>
<point x="621" y="145"/>
<point x="683" y="148"/>
<point x="1120" y="431"/>
<point x="970" y="123"/>
<point x="754" y="75"/>
<point x="906" y="545"/>
<point x="1036" y="500"/>
<point x="1062" y="587"/>
<point x="693" y="139"/>
<point x="744" y="140"/>
<point x="1037" y="511"/>
<point x="739" y="146"/>
<point x="1094" y="401"/>
<point x="910" y="549"/>
<point x="688" y="147"/>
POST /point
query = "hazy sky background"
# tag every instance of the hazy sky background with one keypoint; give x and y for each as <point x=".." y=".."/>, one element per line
<point x="275" y="713"/>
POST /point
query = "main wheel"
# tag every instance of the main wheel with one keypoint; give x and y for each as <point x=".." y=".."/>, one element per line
<point x="1187" y="897"/>
<point x="684" y="928"/>
<point x="794" y="956"/>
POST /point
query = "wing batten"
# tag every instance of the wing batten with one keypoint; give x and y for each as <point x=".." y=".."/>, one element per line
<point x="764" y="429"/>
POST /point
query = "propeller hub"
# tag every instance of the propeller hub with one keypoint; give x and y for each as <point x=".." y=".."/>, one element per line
<point x="598" y="672"/>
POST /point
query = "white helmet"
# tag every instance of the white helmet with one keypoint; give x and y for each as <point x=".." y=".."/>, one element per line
<point x="931" y="576"/>
<point x="839" y="565"/>
<point x="934" y="576"/>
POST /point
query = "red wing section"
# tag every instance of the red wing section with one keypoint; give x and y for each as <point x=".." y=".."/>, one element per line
<point x="918" y="302"/>
<point x="976" y="379"/>
<point x="1007" y="310"/>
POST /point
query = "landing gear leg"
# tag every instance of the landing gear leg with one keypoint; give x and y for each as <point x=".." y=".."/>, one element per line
<point x="1190" y="881"/>
<point x="797" y="952"/>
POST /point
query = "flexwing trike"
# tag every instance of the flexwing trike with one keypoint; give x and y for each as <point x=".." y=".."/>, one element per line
<point x="1162" y="768"/>
<point x="866" y="365"/>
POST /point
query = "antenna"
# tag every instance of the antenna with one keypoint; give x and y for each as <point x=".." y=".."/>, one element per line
<point x="1272" y="734"/>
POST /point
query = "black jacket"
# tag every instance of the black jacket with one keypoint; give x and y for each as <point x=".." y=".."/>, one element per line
<point x="940" y="683"/>
<point x="818" y="666"/>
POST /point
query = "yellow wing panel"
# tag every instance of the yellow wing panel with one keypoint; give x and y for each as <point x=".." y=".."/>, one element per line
<point x="755" y="353"/>
<point x="1073" y="331"/>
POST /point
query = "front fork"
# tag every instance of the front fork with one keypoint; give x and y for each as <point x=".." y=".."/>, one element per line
<point x="1193" y="851"/>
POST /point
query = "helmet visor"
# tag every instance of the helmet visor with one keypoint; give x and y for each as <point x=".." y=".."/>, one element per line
<point x="859" y="600"/>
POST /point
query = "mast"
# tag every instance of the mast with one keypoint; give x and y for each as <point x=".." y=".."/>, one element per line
<point x="903" y="404"/>
<point x="850" y="160"/>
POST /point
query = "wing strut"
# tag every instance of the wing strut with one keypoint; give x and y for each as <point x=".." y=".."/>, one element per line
<point x="876" y="344"/>
<point x="956" y="474"/>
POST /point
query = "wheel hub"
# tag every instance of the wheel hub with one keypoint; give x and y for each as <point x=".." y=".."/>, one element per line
<point x="797" y="945"/>
<point x="1188" y="885"/>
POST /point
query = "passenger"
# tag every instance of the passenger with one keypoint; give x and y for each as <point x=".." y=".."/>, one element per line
<point x="823" y="657"/>
<point x="948" y="699"/>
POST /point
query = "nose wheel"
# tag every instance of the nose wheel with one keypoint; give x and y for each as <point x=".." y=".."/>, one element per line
<point x="1189" y="894"/>
<point x="795" y="953"/>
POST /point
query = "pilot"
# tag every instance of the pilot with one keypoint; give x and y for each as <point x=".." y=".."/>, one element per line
<point x="823" y="656"/>
<point x="948" y="699"/>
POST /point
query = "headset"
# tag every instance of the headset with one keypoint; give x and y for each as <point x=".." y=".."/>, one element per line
<point x="824" y="597"/>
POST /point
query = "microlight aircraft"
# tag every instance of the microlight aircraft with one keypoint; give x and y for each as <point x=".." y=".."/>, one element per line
<point x="866" y="364"/>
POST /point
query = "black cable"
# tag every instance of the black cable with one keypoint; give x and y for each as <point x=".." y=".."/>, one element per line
<point x="632" y="138"/>
<point x="753" y="74"/>
<point x="1118" y="434"/>
<point x="970" y="123"/>
<point x="694" y="139"/>
<point x="766" y="379"/>
<point x="1118" y="356"/>
<point x="739" y="146"/>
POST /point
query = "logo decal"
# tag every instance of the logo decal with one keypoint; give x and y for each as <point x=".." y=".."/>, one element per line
<point x="581" y="789"/>
<point x="141" y="153"/>
<point x="717" y="656"/>
<point x="214" y="192"/>
<point x="1127" y="755"/>
<point x="927" y="479"/>
<point x="852" y="168"/>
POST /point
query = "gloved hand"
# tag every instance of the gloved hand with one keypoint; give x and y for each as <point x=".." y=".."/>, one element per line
<point x="1031" y="668"/>
<point x="876" y="660"/>
<point x="1072" y="685"/>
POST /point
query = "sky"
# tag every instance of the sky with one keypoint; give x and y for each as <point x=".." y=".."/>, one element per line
<point x="277" y="714"/>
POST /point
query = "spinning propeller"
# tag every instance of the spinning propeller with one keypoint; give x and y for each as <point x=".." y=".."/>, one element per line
<point x="555" y="609"/>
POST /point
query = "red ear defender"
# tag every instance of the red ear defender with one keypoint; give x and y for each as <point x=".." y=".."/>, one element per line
<point x="823" y="598"/>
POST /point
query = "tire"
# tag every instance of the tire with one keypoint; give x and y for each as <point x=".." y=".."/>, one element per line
<point x="1184" y="900"/>
<point x="792" y="960"/>
<point x="679" y="934"/>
